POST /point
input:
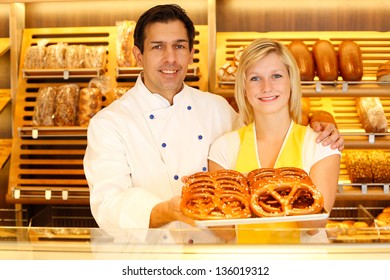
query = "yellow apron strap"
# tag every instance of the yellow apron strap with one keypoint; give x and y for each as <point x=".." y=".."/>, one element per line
<point x="291" y="155"/>
<point x="247" y="156"/>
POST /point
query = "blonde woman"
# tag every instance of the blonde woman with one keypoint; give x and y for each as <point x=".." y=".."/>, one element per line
<point x="268" y="96"/>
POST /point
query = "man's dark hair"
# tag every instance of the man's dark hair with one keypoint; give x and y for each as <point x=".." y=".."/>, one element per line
<point x="164" y="14"/>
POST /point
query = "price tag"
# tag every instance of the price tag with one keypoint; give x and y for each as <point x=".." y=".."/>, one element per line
<point x="16" y="193"/>
<point x="371" y="138"/>
<point x="64" y="194"/>
<point x="34" y="133"/>
<point x="47" y="194"/>
<point x="66" y="74"/>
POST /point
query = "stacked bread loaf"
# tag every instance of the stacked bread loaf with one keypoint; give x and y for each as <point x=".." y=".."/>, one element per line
<point x="64" y="56"/>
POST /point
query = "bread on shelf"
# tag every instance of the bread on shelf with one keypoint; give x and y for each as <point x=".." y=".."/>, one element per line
<point x="371" y="114"/>
<point x="350" y="61"/>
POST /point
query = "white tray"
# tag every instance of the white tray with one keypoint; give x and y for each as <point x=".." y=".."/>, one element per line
<point x="248" y="221"/>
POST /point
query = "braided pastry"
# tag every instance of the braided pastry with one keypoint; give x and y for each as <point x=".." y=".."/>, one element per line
<point x="221" y="194"/>
<point x="283" y="192"/>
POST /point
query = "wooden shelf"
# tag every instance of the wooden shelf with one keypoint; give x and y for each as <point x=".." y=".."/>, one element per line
<point x="5" y="98"/>
<point x="5" y="151"/>
<point x="4" y="45"/>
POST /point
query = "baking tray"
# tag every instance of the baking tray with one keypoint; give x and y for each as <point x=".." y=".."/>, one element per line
<point x="263" y="220"/>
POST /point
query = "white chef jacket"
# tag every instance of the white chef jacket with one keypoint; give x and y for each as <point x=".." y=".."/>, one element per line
<point x="140" y="146"/>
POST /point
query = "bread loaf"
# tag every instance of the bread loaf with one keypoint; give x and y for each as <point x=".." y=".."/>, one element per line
<point x="350" y="61"/>
<point x="66" y="105"/>
<point x="45" y="107"/>
<point x="358" y="166"/>
<point x="74" y="56"/>
<point x="304" y="59"/>
<point x="321" y="116"/>
<point x="55" y="56"/>
<point x="325" y="58"/>
<point x="371" y="114"/>
<point x="227" y="72"/>
<point x="95" y="57"/>
<point x="90" y="102"/>
<point x="237" y="55"/>
<point x="368" y="166"/>
<point x="383" y="72"/>
<point x="125" y="44"/>
<point x="380" y="166"/>
<point x="35" y="57"/>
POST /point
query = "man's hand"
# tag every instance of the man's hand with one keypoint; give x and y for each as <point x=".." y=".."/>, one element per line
<point x="167" y="212"/>
<point x="329" y="135"/>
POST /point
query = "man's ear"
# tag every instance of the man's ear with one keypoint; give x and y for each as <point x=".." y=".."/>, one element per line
<point x="138" y="56"/>
<point x="192" y="56"/>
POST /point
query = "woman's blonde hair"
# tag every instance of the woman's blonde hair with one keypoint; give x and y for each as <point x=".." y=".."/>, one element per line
<point x="254" y="52"/>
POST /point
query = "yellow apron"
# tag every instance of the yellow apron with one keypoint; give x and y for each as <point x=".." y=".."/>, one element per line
<point x="290" y="155"/>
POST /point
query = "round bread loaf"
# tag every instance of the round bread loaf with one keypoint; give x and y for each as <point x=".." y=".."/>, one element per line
<point x="304" y="59"/>
<point x="350" y="61"/>
<point x="325" y="58"/>
<point x="321" y="116"/>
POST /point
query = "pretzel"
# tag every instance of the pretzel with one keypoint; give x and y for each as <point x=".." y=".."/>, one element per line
<point x="222" y="194"/>
<point x="283" y="192"/>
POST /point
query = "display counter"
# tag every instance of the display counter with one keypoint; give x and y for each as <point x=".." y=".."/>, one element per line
<point x="93" y="244"/>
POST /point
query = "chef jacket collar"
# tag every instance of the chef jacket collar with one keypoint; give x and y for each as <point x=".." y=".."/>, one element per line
<point x="163" y="101"/>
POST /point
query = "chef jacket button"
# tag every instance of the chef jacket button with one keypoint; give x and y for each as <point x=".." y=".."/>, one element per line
<point x="151" y="117"/>
<point x="200" y="137"/>
<point x="176" y="177"/>
<point x="165" y="236"/>
<point x="204" y="168"/>
<point x="163" y="145"/>
<point x="190" y="241"/>
<point x="189" y="107"/>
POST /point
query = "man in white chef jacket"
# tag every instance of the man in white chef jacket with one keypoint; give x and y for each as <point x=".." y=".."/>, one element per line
<point x="140" y="146"/>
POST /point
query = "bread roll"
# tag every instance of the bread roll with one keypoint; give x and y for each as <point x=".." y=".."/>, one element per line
<point x="321" y="116"/>
<point x="350" y="61"/>
<point x="325" y="58"/>
<point x="304" y="59"/>
<point x="371" y="114"/>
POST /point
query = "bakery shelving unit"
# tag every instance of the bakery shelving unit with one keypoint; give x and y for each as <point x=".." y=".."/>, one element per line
<point x="46" y="162"/>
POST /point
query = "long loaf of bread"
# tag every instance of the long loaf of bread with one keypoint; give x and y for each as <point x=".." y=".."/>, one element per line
<point x="371" y="114"/>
